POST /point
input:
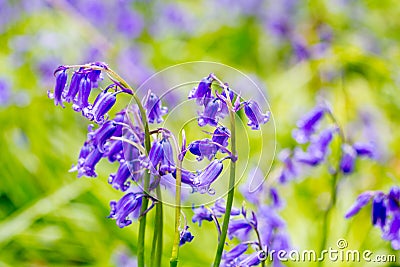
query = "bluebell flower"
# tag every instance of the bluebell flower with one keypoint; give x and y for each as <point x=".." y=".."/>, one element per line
<point x="95" y="75"/>
<point x="364" y="149"/>
<point x="154" y="109"/>
<point x="161" y="157"/>
<point x="361" y="201"/>
<point x="385" y="212"/>
<point x="185" y="236"/>
<point x="307" y="124"/>
<point x="103" y="134"/>
<point x="239" y="228"/>
<point x="219" y="208"/>
<point x="120" y="179"/>
<point x="82" y="101"/>
<point x="87" y="165"/>
<point x="115" y="151"/>
<point x="348" y="159"/>
<point x="318" y="148"/>
<point x="187" y="177"/>
<point x="379" y="210"/>
<point x="234" y="253"/>
<point x="221" y="136"/>
<point x="202" y="91"/>
<point x="201" y="214"/>
<point x="255" y="115"/>
<point x="126" y="209"/>
<point x="203" y="148"/>
<point x="61" y="82"/>
<point x="210" y="114"/>
<point x="203" y="181"/>
<point x="74" y="86"/>
<point x="103" y="103"/>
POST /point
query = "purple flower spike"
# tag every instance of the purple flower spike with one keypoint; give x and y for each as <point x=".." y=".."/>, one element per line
<point x="235" y="253"/>
<point x="83" y="95"/>
<point x="61" y="82"/>
<point x="185" y="236"/>
<point x="203" y="181"/>
<point x="221" y="136"/>
<point x="379" y="210"/>
<point x="129" y="204"/>
<point x="361" y="201"/>
<point x="348" y="159"/>
<point x="254" y="114"/>
<point x="119" y="180"/>
<point x="203" y="90"/>
<point x="74" y="86"/>
<point x="306" y="125"/>
<point x="154" y="109"/>
<point x="209" y="116"/>
<point x="201" y="214"/>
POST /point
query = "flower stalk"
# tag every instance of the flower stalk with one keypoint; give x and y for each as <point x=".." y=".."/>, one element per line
<point x="232" y="178"/>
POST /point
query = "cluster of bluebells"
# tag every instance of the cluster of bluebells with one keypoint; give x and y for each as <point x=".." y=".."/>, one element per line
<point x="122" y="138"/>
<point x="313" y="145"/>
<point x="385" y="212"/>
<point x="256" y="232"/>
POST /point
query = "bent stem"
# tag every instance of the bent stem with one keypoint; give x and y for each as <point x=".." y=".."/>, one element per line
<point x="175" y="247"/>
<point x="147" y="144"/>
<point x="231" y="193"/>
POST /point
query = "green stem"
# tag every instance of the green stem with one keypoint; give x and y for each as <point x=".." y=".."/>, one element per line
<point x="147" y="144"/>
<point x="159" y="228"/>
<point x="231" y="193"/>
<point x="154" y="245"/>
<point x="175" y="247"/>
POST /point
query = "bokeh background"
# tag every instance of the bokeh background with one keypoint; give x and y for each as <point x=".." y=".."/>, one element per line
<point x="346" y="52"/>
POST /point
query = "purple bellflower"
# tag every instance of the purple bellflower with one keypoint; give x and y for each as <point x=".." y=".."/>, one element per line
<point x="385" y="212"/>
<point x="185" y="236"/>
<point x="348" y="159"/>
<point x="203" y="181"/>
<point x="210" y="114"/>
<point x="202" y="91"/>
<point x="119" y="180"/>
<point x="127" y="207"/>
<point x="154" y="109"/>
<point x="202" y="214"/>
<point x="307" y="124"/>
<point x="254" y="114"/>
<point x="234" y="253"/>
<point x="61" y="82"/>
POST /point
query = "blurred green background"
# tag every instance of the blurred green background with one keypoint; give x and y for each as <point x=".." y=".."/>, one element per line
<point x="344" y="51"/>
